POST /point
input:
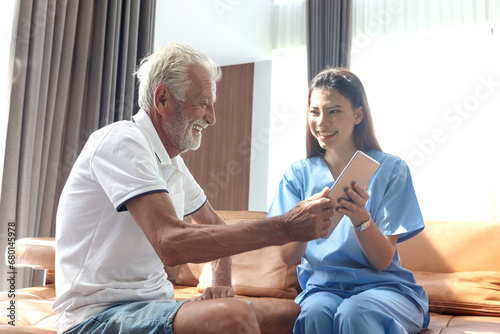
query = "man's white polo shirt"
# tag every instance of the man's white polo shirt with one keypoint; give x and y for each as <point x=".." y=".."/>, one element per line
<point x="102" y="256"/>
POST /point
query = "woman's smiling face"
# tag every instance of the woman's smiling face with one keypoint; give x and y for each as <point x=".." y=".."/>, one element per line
<point x="332" y="118"/>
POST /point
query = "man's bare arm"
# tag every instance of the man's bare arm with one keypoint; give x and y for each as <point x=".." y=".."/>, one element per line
<point x="177" y="242"/>
<point x="221" y="268"/>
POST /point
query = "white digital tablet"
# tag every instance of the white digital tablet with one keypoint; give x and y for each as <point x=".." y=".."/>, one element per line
<point x="360" y="169"/>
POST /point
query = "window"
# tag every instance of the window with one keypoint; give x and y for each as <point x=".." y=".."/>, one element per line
<point x="432" y="76"/>
<point x="288" y="91"/>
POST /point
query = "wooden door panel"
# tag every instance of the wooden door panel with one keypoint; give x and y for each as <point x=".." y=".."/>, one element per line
<point x="222" y="163"/>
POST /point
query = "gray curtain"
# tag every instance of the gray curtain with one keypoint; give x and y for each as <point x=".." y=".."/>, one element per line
<point x="329" y="25"/>
<point x="71" y="72"/>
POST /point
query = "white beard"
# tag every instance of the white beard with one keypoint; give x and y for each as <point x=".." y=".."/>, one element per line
<point x="182" y="134"/>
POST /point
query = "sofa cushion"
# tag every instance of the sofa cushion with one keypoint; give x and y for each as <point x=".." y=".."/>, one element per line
<point x="447" y="247"/>
<point x="33" y="311"/>
<point x="472" y="325"/>
<point x="256" y="273"/>
<point x="462" y="293"/>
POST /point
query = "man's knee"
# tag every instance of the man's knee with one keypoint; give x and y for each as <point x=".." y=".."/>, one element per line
<point x="276" y="316"/>
<point x="226" y="315"/>
<point x="241" y="318"/>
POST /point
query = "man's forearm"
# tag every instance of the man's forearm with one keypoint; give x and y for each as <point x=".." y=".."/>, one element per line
<point x="177" y="242"/>
<point x="204" y="243"/>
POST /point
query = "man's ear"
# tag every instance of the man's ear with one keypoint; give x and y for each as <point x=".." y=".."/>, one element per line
<point x="161" y="99"/>
<point x="359" y="115"/>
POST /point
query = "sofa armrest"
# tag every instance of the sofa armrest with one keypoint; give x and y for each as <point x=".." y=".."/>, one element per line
<point x="37" y="253"/>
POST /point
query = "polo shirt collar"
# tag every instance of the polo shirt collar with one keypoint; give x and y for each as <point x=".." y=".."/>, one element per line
<point x="143" y="119"/>
<point x="171" y="169"/>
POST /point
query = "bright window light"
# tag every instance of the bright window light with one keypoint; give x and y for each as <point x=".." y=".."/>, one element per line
<point x="431" y="73"/>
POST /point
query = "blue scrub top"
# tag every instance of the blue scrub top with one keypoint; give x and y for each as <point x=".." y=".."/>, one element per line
<point x="337" y="264"/>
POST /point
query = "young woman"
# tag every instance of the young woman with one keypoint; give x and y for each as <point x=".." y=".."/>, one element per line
<point x="352" y="281"/>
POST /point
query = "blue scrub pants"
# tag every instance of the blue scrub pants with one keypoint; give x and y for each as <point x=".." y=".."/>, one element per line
<point x="379" y="310"/>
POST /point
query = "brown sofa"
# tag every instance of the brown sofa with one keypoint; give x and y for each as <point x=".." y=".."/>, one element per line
<point x="457" y="263"/>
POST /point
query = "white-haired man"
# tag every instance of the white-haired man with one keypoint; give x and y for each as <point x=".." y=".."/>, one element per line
<point x="120" y="218"/>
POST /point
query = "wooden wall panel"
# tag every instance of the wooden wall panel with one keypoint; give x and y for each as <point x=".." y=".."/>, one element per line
<point x="222" y="163"/>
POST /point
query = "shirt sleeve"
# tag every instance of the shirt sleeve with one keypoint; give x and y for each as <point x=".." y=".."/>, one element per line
<point x="124" y="165"/>
<point x="194" y="196"/>
<point x="395" y="203"/>
<point x="287" y="196"/>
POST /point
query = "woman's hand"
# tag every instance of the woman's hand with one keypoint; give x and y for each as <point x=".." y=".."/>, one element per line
<point x="355" y="207"/>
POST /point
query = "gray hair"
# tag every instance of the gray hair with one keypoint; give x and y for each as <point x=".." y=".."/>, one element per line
<point x="170" y="65"/>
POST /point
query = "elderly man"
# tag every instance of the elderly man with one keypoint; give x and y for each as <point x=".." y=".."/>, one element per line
<point x="120" y="219"/>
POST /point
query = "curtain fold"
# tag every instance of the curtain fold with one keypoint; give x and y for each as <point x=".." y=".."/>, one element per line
<point x="71" y="72"/>
<point x="329" y="34"/>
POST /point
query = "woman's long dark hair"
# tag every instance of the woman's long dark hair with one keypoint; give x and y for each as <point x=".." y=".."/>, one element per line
<point x="349" y="85"/>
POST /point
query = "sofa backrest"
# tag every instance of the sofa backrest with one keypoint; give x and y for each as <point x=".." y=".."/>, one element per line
<point x="259" y="272"/>
<point x="446" y="247"/>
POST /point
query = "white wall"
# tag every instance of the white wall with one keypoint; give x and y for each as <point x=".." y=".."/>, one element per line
<point x="259" y="159"/>
<point x="230" y="32"/>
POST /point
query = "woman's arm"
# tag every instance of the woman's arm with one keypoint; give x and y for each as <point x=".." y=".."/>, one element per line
<point x="292" y="253"/>
<point x="378" y="249"/>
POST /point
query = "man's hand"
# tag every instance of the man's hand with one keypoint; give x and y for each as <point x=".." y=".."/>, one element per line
<point x="216" y="292"/>
<point x="310" y="218"/>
